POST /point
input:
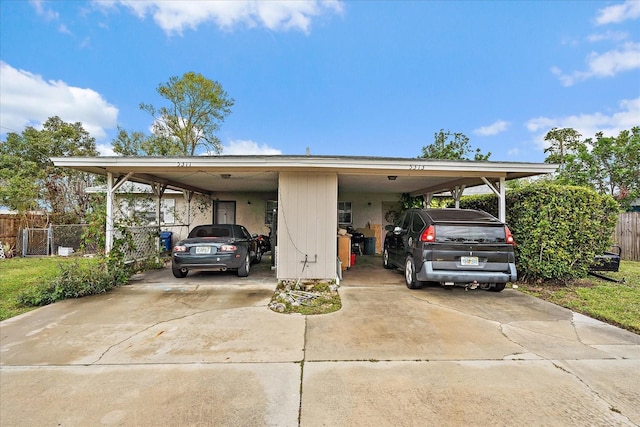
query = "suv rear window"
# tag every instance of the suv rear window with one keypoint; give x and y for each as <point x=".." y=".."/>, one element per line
<point x="470" y="233"/>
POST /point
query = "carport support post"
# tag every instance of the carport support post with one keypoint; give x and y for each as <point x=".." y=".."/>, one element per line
<point x="457" y="194"/>
<point x="108" y="244"/>
<point x="111" y="191"/>
<point x="500" y="192"/>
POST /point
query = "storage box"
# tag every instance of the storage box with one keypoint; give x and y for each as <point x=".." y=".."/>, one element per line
<point x="62" y="251"/>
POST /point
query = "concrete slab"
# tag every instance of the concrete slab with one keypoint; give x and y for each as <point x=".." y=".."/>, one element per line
<point x="451" y="393"/>
<point x="242" y="394"/>
<point x="392" y="324"/>
<point x="156" y="324"/>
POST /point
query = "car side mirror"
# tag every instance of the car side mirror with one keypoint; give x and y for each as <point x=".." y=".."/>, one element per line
<point x="398" y="230"/>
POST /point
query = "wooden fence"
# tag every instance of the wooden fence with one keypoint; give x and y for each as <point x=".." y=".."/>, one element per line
<point x="10" y="225"/>
<point x="626" y="235"/>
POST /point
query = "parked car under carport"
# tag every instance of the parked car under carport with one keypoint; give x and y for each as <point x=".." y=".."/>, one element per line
<point x="215" y="247"/>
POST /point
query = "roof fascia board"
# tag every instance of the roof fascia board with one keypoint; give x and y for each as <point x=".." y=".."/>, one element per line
<point x="341" y="164"/>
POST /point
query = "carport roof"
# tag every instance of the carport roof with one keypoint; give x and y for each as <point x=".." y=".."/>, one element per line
<point x="211" y="174"/>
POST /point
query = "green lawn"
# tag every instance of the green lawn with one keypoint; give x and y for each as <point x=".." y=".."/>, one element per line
<point x="614" y="303"/>
<point x="17" y="274"/>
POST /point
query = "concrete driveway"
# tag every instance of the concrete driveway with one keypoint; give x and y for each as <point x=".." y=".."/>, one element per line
<point x="206" y="350"/>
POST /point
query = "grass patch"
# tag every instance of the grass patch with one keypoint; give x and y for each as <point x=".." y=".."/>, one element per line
<point x="307" y="298"/>
<point x="20" y="274"/>
<point x="614" y="303"/>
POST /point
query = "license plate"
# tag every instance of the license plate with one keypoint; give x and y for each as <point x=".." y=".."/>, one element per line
<point x="203" y="250"/>
<point x="469" y="260"/>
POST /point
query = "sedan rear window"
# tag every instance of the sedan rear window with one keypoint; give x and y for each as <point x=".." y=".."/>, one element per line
<point x="210" y="232"/>
<point x="470" y="233"/>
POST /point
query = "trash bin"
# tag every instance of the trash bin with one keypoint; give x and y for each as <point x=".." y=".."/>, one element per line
<point x="369" y="245"/>
<point x="165" y="241"/>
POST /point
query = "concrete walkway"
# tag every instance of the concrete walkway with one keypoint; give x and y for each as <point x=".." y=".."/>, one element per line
<point x="206" y="350"/>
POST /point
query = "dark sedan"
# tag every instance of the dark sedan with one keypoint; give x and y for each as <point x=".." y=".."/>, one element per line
<point x="218" y="247"/>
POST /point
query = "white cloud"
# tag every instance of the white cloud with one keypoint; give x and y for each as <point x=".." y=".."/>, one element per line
<point x="493" y="129"/>
<point x="176" y="16"/>
<point x="607" y="64"/>
<point x="105" y="150"/>
<point x="43" y="11"/>
<point x="246" y="147"/>
<point x="27" y="99"/>
<point x="615" y="36"/>
<point x="630" y="9"/>
<point x="589" y="124"/>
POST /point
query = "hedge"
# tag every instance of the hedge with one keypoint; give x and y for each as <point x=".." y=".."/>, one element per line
<point x="558" y="229"/>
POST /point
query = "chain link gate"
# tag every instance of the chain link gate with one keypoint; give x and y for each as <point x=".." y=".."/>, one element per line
<point x="37" y="241"/>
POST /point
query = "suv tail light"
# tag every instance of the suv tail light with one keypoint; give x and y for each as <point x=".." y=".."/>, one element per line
<point x="509" y="236"/>
<point x="428" y="235"/>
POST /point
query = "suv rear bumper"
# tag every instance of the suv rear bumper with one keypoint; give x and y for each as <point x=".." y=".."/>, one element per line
<point x="428" y="274"/>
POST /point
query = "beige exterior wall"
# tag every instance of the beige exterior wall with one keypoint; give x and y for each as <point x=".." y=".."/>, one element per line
<point x="250" y="212"/>
<point x="307" y="225"/>
<point x="370" y="213"/>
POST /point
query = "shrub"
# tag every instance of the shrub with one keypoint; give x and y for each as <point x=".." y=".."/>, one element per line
<point x="75" y="280"/>
<point x="558" y="229"/>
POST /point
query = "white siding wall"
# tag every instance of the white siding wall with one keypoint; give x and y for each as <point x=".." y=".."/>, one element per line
<point x="307" y="225"/>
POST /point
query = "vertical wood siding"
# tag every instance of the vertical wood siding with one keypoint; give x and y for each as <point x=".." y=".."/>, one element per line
<point x="307" y="225"/>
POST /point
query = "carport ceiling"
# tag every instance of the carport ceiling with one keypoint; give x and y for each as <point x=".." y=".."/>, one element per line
<point x="211" y="174"/>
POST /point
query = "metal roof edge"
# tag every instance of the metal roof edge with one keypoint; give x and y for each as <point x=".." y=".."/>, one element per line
<point x="288" y="161"/>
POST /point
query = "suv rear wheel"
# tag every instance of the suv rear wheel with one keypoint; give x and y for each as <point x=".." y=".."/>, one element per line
<point x="410" y="273"/>
<point x="497" y="287"/>
<point x="385" y="259"/>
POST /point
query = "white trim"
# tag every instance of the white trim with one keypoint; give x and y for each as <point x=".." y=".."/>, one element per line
<point x="383" y="165"/>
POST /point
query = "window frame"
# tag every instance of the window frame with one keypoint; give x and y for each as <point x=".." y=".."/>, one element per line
<point x="342" y="210"/>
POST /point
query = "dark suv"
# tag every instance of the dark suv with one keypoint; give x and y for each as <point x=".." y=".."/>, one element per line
<point x="453" y="247"/>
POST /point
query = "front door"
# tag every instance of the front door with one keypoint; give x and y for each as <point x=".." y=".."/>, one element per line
<point x="224" y="212"/>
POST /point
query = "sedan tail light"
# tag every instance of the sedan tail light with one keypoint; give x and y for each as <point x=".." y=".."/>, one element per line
<point x="429" y="234"/>
<point x="179" y="248"/>
<point x="228" y="248"/>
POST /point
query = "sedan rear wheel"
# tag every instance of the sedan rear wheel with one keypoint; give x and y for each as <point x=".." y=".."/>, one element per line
<point x="243" y="271"/>
<point x="410" y="274"/>
<point x="177" y="272"/>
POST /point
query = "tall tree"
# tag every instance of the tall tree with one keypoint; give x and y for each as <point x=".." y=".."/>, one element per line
<point x="198" y="107"/>
<point x="139" y="144"/>
<point x="30" y="181"/>
<point x="561" y="141"/>
<point x="452" y="146"/>
<point x="609" y="165"/>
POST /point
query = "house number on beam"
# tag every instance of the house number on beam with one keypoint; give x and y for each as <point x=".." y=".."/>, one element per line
<point x="184" y="164"/>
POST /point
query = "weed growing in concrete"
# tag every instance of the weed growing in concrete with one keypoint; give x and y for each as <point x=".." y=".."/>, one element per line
<point x="309" y="297"/>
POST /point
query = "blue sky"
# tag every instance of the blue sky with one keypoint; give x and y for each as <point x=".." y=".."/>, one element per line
<point x="370" y="78"/>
